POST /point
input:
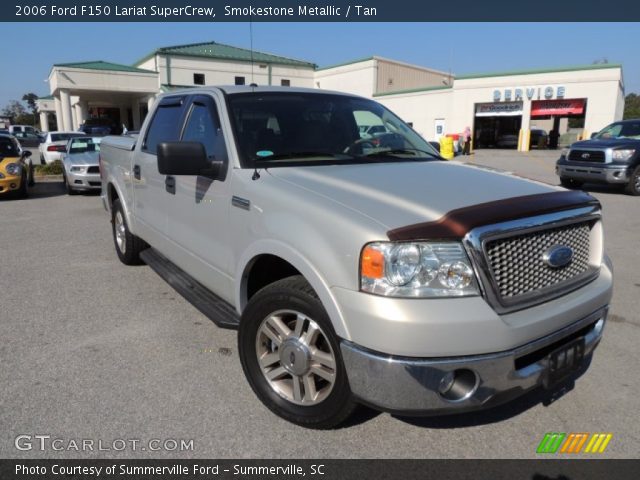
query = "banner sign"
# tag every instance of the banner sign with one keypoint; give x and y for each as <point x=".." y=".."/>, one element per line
<point x="574" y="106"/>
<point x="498" y="109"/>
<point x="311" y="11"/>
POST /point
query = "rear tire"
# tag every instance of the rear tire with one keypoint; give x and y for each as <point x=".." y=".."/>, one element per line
<point x="570" y="183"/>
<point x="291" y="355"/>
<point x="128" y="246"/>
<point x="633" y="187"/>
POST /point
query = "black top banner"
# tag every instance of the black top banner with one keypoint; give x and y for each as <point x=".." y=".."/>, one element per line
<point x="317" y="11"/>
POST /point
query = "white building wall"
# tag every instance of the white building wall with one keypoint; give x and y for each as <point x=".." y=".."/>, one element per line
<point x="358" y="78"/>
<point x="421" y="108"/>
<point x="222" y="72"/>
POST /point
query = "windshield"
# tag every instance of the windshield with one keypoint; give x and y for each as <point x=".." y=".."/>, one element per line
<point x="277" y="129"/>
<point x="8" y="148"/>
<point x="620" y="130"/>
<point x="84" y="145"/>
<point x="57" y="137"/>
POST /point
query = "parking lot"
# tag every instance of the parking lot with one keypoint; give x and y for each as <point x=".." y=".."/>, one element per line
<point x="92" y="349"/>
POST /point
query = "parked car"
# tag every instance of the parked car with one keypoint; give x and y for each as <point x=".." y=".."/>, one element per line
<point x="28" y="139"/>
<point x="507" y="140"/>
<point x="538" y="137"/>
<point x="611" y="156"/>
<point x="81" y="170"/>
<point x="54" y="144"/>
<point x="100" y="127"/>
<point x="392" y="278"/>
<point x="13" y="129"/>
<point x="16" y="168"/>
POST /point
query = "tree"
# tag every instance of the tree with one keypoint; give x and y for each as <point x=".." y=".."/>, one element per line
<point x="631" y="106"/>
<point x="14" y="109"/>
<point x="31" y="99"/>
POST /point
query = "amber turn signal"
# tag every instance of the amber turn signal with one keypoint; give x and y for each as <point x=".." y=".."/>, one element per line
<point x="372" y="263"/>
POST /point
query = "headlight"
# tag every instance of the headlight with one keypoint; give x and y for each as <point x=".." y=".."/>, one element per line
<point x="76" y="169"/>
<point x="14" y="169"/>
<point x="623" y="154"/>
<point x="422" y="269"/>
<point x="565" y="152"/>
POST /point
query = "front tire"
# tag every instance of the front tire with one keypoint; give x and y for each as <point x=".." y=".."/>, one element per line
<point x="128" y="246"/>
<point x="291" y="355"/>
<point x="633" y="187"/>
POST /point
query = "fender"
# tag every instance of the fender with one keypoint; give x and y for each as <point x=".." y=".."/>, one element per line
<point x="303" y="265"/>
<point x="125" y="201"/>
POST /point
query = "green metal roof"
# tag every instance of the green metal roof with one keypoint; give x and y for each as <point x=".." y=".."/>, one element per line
<point x="225" y="52"/>
<point x="413" y="90"/>
<point x="101" y="65"/>
<point x="48" y="97"/>
<point x="541" y="70"/>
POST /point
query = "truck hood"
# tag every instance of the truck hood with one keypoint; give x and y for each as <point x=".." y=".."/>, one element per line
<point x="609" y="143"/>
<point x="405" y="193"/>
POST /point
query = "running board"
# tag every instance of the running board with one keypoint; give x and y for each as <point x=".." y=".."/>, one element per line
<point x="212" y="306"/>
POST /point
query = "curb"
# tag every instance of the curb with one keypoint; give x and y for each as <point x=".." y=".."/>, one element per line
<point x="47" y="178"/>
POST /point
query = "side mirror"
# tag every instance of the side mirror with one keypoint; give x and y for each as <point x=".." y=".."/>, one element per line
<point x="593" y="135"/>
<point x="26" y="153"/>
<point x="186" y="158"/>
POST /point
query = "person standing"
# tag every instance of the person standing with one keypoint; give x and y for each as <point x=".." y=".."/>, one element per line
<point x="553" y="139"/>
<point x="467" y="141"/>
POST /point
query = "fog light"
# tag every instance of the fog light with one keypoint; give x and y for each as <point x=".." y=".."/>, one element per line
<point x="458" y="385"/>
<point x="13" y="185"/>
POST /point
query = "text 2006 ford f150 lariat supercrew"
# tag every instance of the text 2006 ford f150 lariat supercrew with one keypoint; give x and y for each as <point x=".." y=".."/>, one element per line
<point x="358" y="268"/>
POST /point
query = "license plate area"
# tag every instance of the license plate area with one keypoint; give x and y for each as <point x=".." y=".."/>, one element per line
<point x="564" y="361"/>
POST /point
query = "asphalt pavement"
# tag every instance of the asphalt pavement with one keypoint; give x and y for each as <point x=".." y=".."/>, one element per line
<point x="91" y="349"/>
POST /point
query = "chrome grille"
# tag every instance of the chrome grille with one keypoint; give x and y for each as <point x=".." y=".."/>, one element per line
<point x="517" y="266"/>
<point x="587" y="156"/>
<point x="93" y="169"/>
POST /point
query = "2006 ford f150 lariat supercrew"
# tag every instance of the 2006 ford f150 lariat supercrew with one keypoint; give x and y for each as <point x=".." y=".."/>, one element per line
<point x="358" y="268"/>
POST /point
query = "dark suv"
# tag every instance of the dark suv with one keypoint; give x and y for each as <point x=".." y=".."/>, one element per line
<point x="611" y="156"/>
<point x="100" y="127"/>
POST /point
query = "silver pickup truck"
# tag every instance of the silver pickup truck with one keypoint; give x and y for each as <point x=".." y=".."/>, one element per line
<point x="358" y="268"/>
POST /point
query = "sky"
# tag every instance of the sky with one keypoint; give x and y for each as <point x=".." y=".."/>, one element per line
<point x="461" y="48"/>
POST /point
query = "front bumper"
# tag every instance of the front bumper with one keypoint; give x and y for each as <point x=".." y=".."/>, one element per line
<point x="9" y="184"/>
<point x="408" y="385"/>
<point x="596" y="173"/>
<point x="84" y="181"/>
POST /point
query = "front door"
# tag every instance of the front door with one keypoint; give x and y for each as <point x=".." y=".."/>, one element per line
<point x="198" y="209"/>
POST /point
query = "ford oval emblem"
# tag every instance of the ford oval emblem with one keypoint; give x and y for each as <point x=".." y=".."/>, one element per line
<point x="558" y="256"/>
<point x="585" y="155"/>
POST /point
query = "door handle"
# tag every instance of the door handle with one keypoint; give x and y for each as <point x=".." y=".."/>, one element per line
<point x="170" y="184"/>
<point x="136" y="172"/>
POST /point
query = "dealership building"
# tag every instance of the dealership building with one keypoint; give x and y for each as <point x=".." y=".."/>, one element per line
<point x="501" y="109"/>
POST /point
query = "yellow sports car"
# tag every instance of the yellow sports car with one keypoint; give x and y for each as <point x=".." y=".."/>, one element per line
<point x="16" y="170"/>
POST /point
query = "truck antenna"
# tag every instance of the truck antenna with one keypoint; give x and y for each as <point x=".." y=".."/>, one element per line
<point x="251" y="47"/>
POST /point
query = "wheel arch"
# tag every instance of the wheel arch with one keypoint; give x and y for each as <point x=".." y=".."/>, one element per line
<point x="290" y="261"/>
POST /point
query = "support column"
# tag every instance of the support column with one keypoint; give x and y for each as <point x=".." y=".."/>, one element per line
<point x="135" y="110"/>
<point x="74" y="117"/>
<point x="81" y="115"/>
<point x="58" y="106"/>
<point x="525" y="128"/>
<point x="84" y="109"/>
<point x="67" y="116"/>
<point x="44" y="122"/>
<point x="124" y="117"/>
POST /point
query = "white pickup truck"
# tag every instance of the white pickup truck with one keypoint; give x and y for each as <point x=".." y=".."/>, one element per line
<point x="357" y="268"/>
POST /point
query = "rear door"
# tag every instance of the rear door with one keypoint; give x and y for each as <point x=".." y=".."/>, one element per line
<point x="198" y="207"/>
<point x="149" y="195"/>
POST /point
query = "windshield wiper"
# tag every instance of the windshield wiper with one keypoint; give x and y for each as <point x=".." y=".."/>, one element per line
<point x="401" y="151"/>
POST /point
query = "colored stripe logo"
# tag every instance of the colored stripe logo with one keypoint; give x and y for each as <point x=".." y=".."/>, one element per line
<point x="573" y="443"/>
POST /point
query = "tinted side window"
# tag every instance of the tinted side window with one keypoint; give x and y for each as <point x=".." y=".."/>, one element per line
<point x="203" y="126"/>
<point x="165" y="127"/>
